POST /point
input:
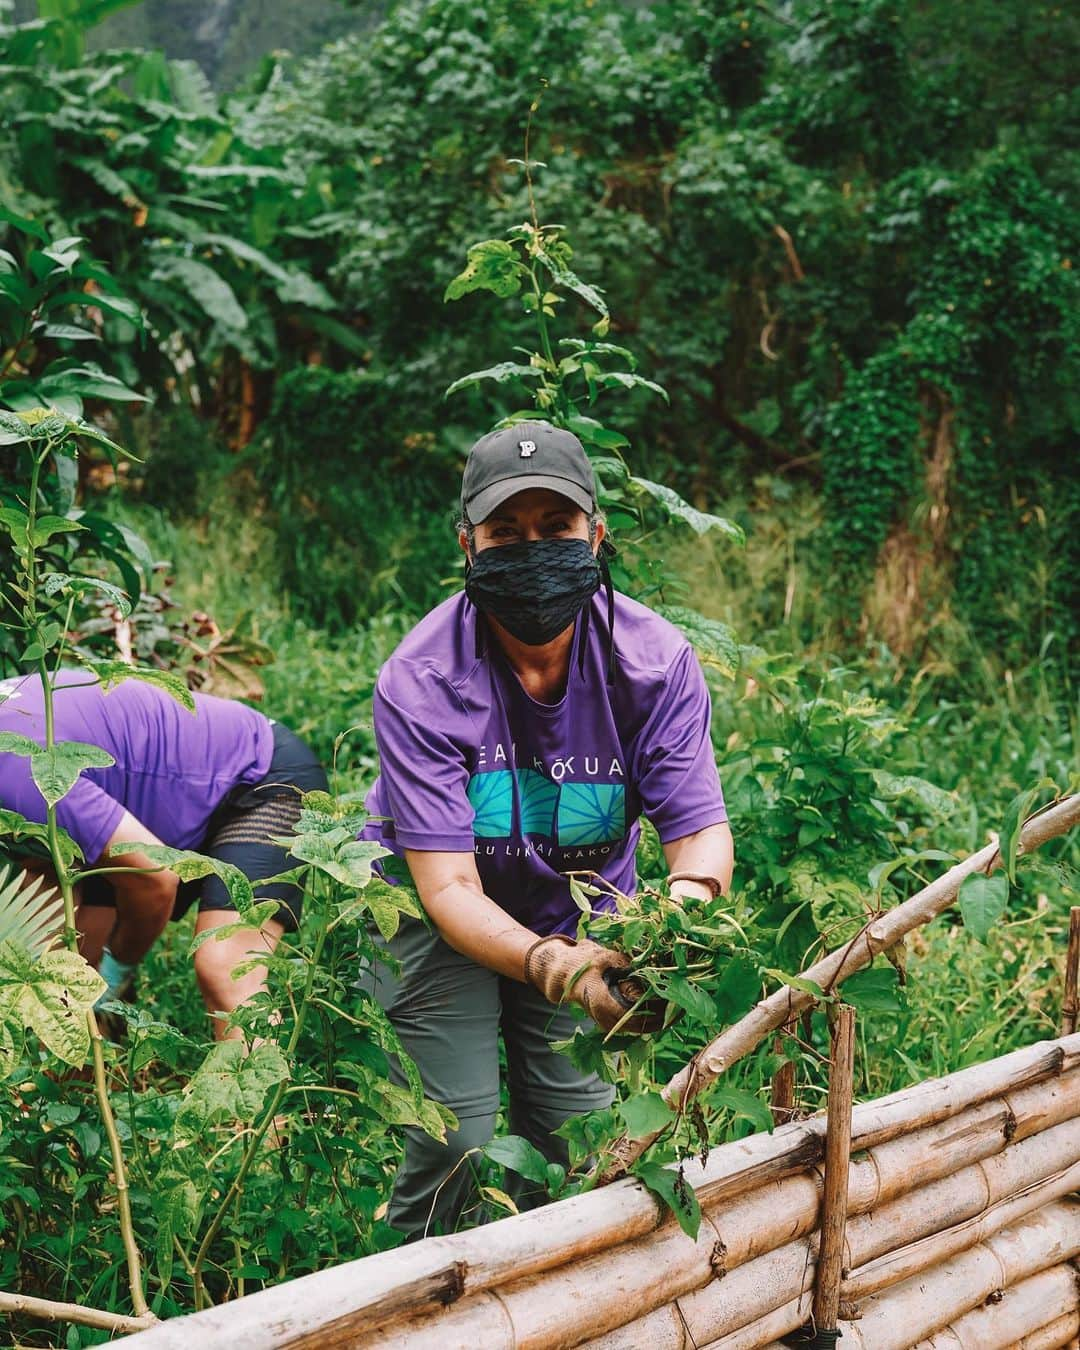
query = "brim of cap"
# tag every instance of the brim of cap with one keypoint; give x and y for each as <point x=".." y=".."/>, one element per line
<point x="489" y="499"/>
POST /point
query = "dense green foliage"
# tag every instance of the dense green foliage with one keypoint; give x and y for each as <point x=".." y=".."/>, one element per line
<point x="838" y="235"/>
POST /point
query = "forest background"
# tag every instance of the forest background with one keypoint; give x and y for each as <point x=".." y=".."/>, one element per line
<point x="841" y="235"/>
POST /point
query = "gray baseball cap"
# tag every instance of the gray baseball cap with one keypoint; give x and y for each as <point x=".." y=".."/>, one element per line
<point x="526" y="455"/>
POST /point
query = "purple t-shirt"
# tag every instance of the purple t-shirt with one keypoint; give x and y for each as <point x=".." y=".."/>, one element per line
<point x="471" y="763"/>
<point x="172" y="768"/>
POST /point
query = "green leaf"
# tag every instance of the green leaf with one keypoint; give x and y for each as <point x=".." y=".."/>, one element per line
<point x="802" y="985"/>
<point x="55" y="770"/>
<point x="112" y="673"/>
<point x="983" y="900"/>
<point x="211" y="292"/>
<point x="512" y="1151"/>
<point x="742" y="1105"/>
<point x="86" y="382"/>
<point x="492" y="266"/>
<point x="348" y="863"/>
<point x="17" y="827"/>
<point x="230" y="1084"/>
<point x="699" y="521"/>
<point x="191" y="866"/>
<point x="55" y="583"/>
<point x="645" y="1114"/>
<point x="679" y="990"/>
<point x="505" y="370"/>
<point x="260" y="912"/>
<point x="713" y="641"/>
<point x="563" y="276"/>
<point x="1015" y="814"/>
<point x="668" y="1183"/>
<point x="626" y="380"/>
<point x="50" y="995"/>
<point x="45" y="527"/>
<point x="11" y="743"/>
<point x="875" y="990"/>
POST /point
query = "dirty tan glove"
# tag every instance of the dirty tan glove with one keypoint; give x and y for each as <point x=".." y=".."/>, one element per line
<point x="564" y="970"/>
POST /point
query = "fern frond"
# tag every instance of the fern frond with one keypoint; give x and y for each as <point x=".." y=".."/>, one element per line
<point x="31" y="913"/>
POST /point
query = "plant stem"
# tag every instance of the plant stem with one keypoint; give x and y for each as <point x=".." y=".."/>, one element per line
<point x="71" y="936"/>
<point x="270" y="1111"/>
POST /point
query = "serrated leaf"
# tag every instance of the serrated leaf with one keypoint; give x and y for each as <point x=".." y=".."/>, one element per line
<point x="230" y="1084"/>
<point x="11" y="743"/>
<point x="55" y="769"/>
<point x="713" y="641"/>
<point x="50" y="995"/>
<point x="191" y="866"/>
<point x="701" y="522"/>
<point x="983" y="900"/>
<point x="112" y="673"/>
<point x="492" y="265"/>
<point x="505" y="370"/>
<point x="55" y="583"/>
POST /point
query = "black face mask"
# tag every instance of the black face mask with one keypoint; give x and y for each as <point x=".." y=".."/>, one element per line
<point x="535" y="590"/>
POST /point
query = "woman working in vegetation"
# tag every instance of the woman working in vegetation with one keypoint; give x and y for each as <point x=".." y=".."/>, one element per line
<point x="523" y="727"/>
<point x="224" y="781"/>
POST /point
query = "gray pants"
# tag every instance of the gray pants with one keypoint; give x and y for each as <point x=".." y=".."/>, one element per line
<point x="449" y="1012"/>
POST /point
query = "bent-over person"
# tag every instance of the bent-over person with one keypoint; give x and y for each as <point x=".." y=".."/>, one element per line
<point x="222" y="781"/>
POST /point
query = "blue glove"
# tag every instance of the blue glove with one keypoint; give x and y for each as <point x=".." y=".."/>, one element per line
<point x="116" y="975"/>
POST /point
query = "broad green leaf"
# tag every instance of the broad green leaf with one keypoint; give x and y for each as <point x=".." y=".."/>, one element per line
<point x="626" y="380"/>
<point x="492" y="266"/>
<point x="713" y="641"/>
<point x="933" y="799"/>
<point x="86" y="382"/>
<point x="742" y="1105"/>
<point x="50" y="995"/>
<point x="191" y="866"/>
<point x="645" y="1114"/>
<point x="679" y="990"/>
<point x="512" y="1151"/>
<point x="260" y="912"/>
<point x="699" y="521"/>
<point x="55" y="770"/>
<point x="112" y="673"/>
<point x="1015" y="814"/>
<point x="348" y="863"/>
<point x="211" y="292"/>
<point x="56" y="583"/>
<point x="230" y="1084"/>
<point x="875" y="990"/>
<point x="563" y="276"/>
<point x="17" y="827"/>
<point x="45" y="527"/>
<point x="505" y="370"/>
<point x="11" y="743"/>
<point x="591" y="432"/>
<point x="983" y="900"/>
<point x="669" y="1184"/>
<point x="804" y="986"/>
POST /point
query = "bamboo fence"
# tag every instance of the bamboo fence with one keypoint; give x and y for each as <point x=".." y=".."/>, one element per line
<point x="961" y="1228"/>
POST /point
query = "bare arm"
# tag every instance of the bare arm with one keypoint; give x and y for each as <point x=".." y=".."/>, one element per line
<point x="451" y="892"/>
<point x="144" y="898"/>
<point x="710" y="852"/>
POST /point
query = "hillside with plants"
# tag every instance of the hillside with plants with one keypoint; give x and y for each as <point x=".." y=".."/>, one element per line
<point x="803" y="278"/>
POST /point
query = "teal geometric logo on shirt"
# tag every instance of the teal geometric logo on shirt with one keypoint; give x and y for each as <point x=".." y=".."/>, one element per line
<point x="538" y="796"/>
<point x="491" y="796"/>
<point x="579" y="813"/>
<point x="591" y="813"/>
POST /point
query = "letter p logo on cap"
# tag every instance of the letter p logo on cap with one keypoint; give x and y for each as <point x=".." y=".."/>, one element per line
<point x="528" y="448"/>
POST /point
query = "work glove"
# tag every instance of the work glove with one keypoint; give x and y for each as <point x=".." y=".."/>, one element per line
<point x="585" y="973"/>
<point x="119" y="976"/>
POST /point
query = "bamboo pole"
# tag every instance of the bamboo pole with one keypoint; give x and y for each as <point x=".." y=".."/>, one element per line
<point x="356" y="1298"/>
<point x="47" y="1309"/>
<point x="1042" y="1307"/>
<point x="1072" y="966"/>
<point x="834" y="1200"/>
<point x="752" y="1290"/>
<point x="883" y="932"/>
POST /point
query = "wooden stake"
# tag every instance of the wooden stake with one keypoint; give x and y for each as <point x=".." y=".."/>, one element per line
<point x="782" y="1101"/>
<point x="837" y="1157"/>
<point x="1072" y="965"/>
<point x="73" y="1312"/>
